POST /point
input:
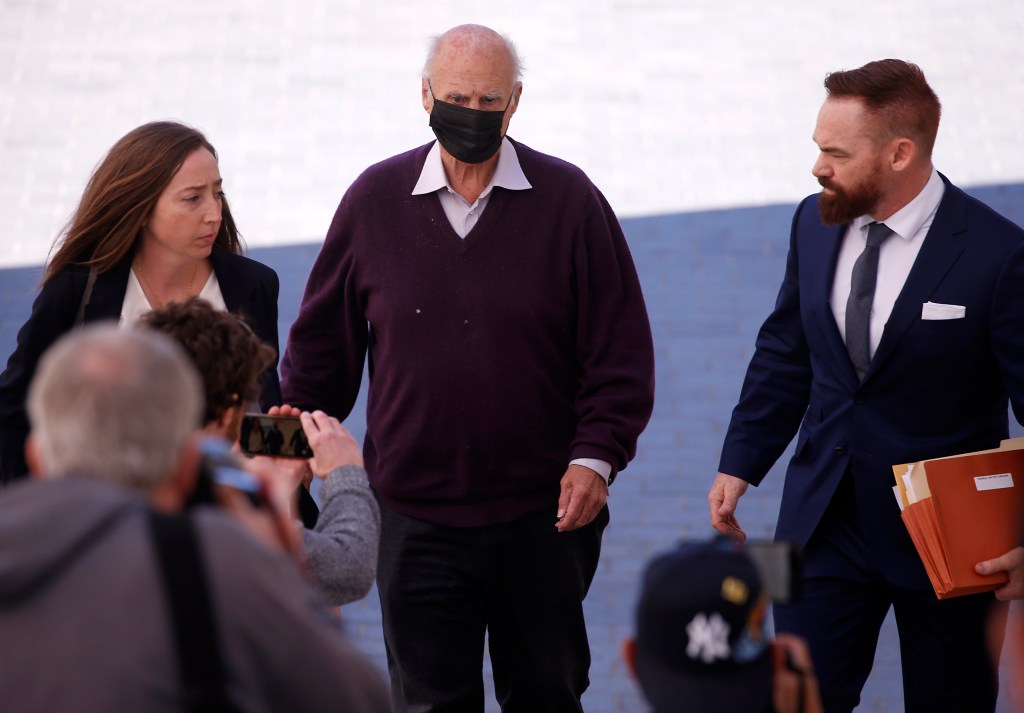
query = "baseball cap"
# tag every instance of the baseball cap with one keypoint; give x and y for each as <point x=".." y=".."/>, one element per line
<point x="701" y="643"/>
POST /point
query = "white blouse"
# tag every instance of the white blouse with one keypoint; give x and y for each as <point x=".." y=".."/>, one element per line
<point x="135" y="303"/>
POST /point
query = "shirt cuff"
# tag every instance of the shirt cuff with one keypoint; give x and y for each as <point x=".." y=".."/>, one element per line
<point x="598" y="466"/>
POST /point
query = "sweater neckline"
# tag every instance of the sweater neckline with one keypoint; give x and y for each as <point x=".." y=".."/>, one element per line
<point x="494" y="205"/>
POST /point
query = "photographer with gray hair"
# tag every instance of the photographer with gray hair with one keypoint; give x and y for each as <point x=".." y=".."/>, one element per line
<point x="123" y="602"/>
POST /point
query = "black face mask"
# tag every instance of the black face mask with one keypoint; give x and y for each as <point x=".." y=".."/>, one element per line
<point x="470" y="135"/>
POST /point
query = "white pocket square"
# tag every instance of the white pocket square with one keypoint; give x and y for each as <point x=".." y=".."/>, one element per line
<point x="934" y="310"/>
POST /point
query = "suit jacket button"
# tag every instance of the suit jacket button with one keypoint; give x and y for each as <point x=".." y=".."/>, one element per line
<point x="840" y="450"/>
<point x="859" y="400"/>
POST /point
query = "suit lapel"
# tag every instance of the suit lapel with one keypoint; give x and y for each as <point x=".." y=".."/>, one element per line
<point x="108" y="292"/>
<point x="232" y="279"/>
<point x="824" y="243"/>
<point x="835" y="340"/>
<point x="941" y="249"/>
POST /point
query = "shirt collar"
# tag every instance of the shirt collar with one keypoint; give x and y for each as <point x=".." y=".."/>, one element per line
<point x="507" y="174"/>
<point x="915" y="215"/>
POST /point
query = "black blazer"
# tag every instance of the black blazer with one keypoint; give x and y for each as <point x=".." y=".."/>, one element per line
<point x="249" y="288"/>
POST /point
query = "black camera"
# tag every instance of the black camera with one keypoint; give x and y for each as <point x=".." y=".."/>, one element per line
<point x="220" y="468"/>
<point x="780" y="565"/>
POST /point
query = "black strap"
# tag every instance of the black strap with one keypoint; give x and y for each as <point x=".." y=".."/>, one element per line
<point x="195" y="629"/>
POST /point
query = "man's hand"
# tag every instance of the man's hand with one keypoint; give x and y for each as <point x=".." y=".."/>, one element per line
<point x="584" y="493"/>
<point x="722" y="500"/>
<point x="332" y="445"/>
<point x="1013" y="564"/>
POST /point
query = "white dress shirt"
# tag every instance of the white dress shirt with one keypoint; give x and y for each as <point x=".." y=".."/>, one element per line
<point x="895" y="257"/>
<point x="463" y="216"/>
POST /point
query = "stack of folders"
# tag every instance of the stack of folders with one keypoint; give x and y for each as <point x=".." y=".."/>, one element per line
<point x="961" y="510"/>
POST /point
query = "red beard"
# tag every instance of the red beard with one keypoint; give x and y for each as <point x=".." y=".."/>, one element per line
<point x="842" y="205"/>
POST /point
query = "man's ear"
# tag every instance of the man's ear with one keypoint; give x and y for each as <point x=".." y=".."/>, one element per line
<point x="229" y="422"/>
<point x="517" y="92"/>
<point x="33" y="457"/>
<point x="425" y="94"/>
<point x="904" y="151"/>
<point x="629" y="656"/>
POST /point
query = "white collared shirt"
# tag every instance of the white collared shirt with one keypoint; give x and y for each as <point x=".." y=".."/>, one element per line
<point x="895" y="257"/>
<point x="463" y="216"/>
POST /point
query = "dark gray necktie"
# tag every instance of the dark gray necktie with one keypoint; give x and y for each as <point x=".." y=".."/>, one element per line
<point x="862" y="295"/>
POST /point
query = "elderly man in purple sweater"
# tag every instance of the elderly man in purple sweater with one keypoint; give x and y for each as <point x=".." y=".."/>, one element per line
<point x="511" y="372"/>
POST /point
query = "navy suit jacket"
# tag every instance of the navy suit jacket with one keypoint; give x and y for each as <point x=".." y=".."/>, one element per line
<point x="249" y="289"/>
<point x="934" y="387"/>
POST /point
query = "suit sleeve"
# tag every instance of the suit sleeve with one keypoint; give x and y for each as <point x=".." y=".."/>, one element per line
<point x="322" y="366"/>
<point x="53" y="314"/>
<point x="776" y="388"/>
<point x="614" y="345"/>
<point x="1007" y="334"/>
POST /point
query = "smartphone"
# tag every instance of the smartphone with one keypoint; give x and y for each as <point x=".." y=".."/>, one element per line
<point x="277" y="436"/>
<point x="780" y="565"/>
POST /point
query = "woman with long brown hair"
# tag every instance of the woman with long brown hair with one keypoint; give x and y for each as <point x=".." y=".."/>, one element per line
<point x="153" y="227"/>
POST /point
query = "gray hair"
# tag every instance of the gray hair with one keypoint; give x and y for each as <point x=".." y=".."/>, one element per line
<point x="114" y="405"/>
<point x="475" y="37"/>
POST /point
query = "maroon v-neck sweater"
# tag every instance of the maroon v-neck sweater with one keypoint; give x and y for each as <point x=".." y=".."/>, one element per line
<point x="494" y="359"/>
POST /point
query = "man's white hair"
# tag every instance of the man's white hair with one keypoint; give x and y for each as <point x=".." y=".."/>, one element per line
<point x="476" y="37"/>
<point x="114" y="405"/>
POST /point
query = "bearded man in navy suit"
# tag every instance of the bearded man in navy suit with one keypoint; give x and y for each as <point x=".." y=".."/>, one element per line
<point x="942" y="353"/>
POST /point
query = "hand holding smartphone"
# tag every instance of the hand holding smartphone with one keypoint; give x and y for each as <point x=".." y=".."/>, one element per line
<point x="333" y="446"/>
<point x="316" y="437"/>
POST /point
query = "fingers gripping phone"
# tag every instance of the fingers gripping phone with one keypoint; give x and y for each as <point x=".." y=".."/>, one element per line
<point x="277" y="436"/>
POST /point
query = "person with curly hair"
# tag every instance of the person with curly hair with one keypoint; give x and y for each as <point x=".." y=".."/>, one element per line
<point x="341" y="550"/>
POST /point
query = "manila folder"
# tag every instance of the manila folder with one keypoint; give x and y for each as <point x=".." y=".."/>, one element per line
<point x="978" y="505"/>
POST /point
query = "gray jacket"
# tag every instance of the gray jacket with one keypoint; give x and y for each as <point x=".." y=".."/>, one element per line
<point x="85" y="624"/>
<point x="342" y="549"/>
